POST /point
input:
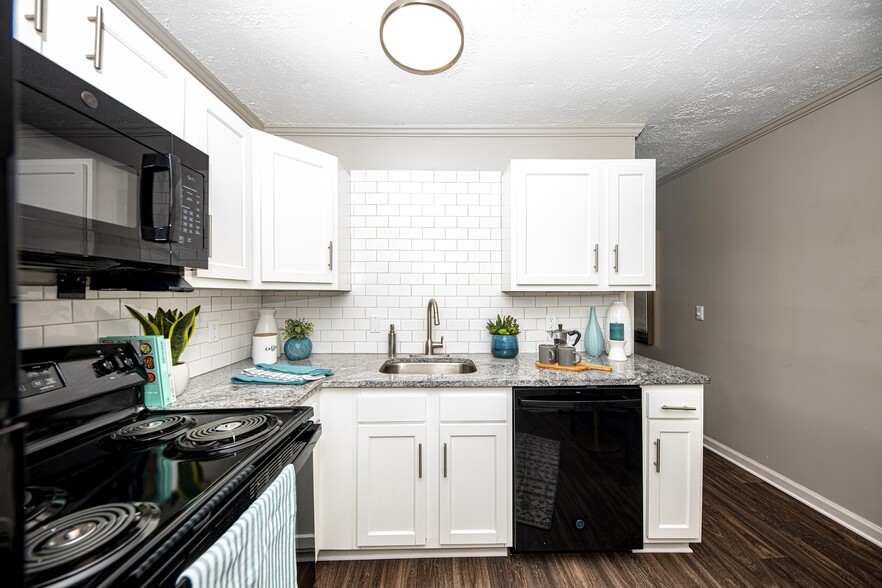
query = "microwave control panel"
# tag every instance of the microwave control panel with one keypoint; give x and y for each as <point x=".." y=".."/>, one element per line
<point x="192" y="209"/>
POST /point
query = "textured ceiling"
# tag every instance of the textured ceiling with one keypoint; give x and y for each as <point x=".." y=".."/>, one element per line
<point x="697" y="73"/>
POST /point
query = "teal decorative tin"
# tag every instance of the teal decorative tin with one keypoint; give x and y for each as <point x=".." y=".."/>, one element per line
<point x="504" y="346"/>
<point x="298" y="348"/>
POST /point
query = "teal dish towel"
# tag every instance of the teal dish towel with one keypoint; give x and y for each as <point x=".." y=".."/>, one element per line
<point x="280" y="373"/>
<point x="258" y="550"/>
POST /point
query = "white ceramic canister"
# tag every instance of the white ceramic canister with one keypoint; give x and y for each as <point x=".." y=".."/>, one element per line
<point x="265" y="341"/>
<point x="618" y="313"/>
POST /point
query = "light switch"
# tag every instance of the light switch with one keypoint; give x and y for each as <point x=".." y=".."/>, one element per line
<point x="699" y="313"/>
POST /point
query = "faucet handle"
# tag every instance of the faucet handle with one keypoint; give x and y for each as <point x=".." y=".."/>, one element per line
<point x="438" y="345"/>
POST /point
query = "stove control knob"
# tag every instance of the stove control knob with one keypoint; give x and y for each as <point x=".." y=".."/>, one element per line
<point x="128" y="363"/>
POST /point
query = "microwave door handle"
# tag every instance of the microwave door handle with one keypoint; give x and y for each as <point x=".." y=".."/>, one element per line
<point x="151" y="165"/>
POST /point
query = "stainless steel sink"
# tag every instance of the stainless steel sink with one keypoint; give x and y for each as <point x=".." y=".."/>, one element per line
<point x="429" y="366"/>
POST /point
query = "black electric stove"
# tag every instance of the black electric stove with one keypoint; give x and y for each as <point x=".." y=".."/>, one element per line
<point x="119" y="495"/>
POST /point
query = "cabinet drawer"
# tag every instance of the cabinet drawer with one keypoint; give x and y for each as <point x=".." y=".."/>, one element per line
<point x="481" y="406"/>
<point x="391" y="407"/>
<point x="684" y="403"/>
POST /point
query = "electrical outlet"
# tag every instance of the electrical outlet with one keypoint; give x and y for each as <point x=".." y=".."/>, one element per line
<point x="213" y="331"/>
<point x="550" y="322"/>
<point x="699" y="313"/>
<point x="375" y="323"/>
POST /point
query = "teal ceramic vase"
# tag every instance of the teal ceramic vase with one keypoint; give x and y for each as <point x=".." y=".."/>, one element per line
<point x="593" y="335"/>
<point x="504" y="346"/>
<point x="298" y="348"/>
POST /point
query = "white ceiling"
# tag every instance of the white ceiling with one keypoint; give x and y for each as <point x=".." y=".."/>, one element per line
<point x="697" y="73"/>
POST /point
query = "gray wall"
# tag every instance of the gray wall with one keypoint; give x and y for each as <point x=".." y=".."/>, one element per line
<point x="460" y="153"/>
<point x="781" y="241"/>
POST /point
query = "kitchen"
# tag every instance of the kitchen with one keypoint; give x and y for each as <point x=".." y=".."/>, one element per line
<point x="418" y="189"/>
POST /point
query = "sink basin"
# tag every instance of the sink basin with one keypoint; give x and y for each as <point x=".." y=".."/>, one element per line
<point x="429" y="366"/>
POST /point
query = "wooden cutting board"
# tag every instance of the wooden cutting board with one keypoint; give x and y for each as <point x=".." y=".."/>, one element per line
<point x="580" y="367"/>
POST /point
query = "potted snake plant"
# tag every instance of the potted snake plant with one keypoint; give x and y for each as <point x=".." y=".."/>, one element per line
<point x="177" y="327"/>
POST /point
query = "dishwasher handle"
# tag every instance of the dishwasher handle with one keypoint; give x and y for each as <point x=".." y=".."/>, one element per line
<point x="572" y="404"/>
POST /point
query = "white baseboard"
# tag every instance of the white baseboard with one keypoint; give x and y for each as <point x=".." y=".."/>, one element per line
<point x="369" y="553"/>
<point x="663" y="548"/>
<point x="846" y="518"/>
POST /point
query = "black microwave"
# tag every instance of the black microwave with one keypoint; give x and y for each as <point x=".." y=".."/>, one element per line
<point x="101" y="190"/>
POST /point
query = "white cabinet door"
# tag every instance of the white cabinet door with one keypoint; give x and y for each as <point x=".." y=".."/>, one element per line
<point x="674" y="483"/>
<point x="215" y="129"/>
<point x="391" y="485"/>
<point x="29" y="22"/>
<point x="298" y="211"/>
<point x="134" y="69"/>
<point x="631" y="246"/>
<point x="473" y="492"/>
<point x="556" y="228"/>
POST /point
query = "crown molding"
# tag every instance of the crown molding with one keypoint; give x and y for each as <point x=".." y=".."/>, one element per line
<point x="776" y="123"/>
<point x="148" y="23"/>
<point x="614" y="130"/>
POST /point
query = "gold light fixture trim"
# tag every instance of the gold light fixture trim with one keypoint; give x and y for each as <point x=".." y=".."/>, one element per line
<point x="419" y="36"/>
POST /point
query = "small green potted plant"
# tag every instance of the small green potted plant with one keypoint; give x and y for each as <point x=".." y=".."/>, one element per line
<point x="504" y="340"/>
<point x="297" y="344"/>
<point x="178" y="328"/>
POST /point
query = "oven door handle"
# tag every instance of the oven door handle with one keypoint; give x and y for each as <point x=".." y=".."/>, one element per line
<point x="152" y="196"/>
<point x="310" y="436"/>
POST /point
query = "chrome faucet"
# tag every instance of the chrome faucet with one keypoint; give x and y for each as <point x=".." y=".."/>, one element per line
<point x="432" y="316"/>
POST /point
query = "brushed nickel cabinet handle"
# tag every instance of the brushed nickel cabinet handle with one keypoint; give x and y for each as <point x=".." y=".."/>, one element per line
<point x="658" y="455"/>
<point x="98" y="56"/>
<point x="331" y="255"/>
<point x="445" y="460"/>
<point x="596" y="257"/>
<point x="420" y="459"/>
<point x="37" y="16"/>
<point x="684" y="407"/>
<point x="616" y="264"/>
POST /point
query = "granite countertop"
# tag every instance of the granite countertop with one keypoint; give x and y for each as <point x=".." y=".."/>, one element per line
<point x="214" y="389"/>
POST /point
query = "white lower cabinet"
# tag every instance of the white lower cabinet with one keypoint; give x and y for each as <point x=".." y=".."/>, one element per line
<point x="472" y="494"/>
<point x="391" y="485"/>
<point x="674" y="442"/>
<point x="420" y="468"/>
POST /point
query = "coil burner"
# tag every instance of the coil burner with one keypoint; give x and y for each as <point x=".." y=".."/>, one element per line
<point x="226" y="436"/>
<point x="150" y="432"/>
<point x="87" y="540"/>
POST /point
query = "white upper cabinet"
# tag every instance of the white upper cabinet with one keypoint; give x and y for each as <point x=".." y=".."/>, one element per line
<point x="215" y="129"/>
<point x="578" y="225"/>
<point x="301" y="195"/>
<point x="631" y="188"/>
<point x="98" y="43"/>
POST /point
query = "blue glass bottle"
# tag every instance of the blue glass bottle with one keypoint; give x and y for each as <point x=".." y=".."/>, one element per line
<point x="593" y="335"/>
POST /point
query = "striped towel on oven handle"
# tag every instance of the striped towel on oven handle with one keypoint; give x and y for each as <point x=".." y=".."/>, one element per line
<point x="259" y="549"/>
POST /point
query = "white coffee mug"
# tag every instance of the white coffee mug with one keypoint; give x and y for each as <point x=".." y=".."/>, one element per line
<point x="264" y="348"/>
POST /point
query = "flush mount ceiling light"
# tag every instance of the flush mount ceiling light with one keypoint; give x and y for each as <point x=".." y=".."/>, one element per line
<point x="421" y="36"/>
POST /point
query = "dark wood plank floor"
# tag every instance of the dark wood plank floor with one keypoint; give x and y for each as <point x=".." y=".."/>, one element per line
<point x="753" y="535"/>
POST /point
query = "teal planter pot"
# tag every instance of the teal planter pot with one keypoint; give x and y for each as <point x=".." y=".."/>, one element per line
<point x="298" y="348"/>
<point x="504" y="346"/>
<point x="593" y="336"/>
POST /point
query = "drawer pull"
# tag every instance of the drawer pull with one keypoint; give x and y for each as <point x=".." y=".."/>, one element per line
<point x="684" y="407"/>
<point x="657" y="462"/>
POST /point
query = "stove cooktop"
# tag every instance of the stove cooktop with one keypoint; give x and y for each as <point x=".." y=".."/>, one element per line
<point x="98" y="499"/>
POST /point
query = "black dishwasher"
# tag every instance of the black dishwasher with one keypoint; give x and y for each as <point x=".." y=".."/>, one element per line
<point x="578" y="469"/>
